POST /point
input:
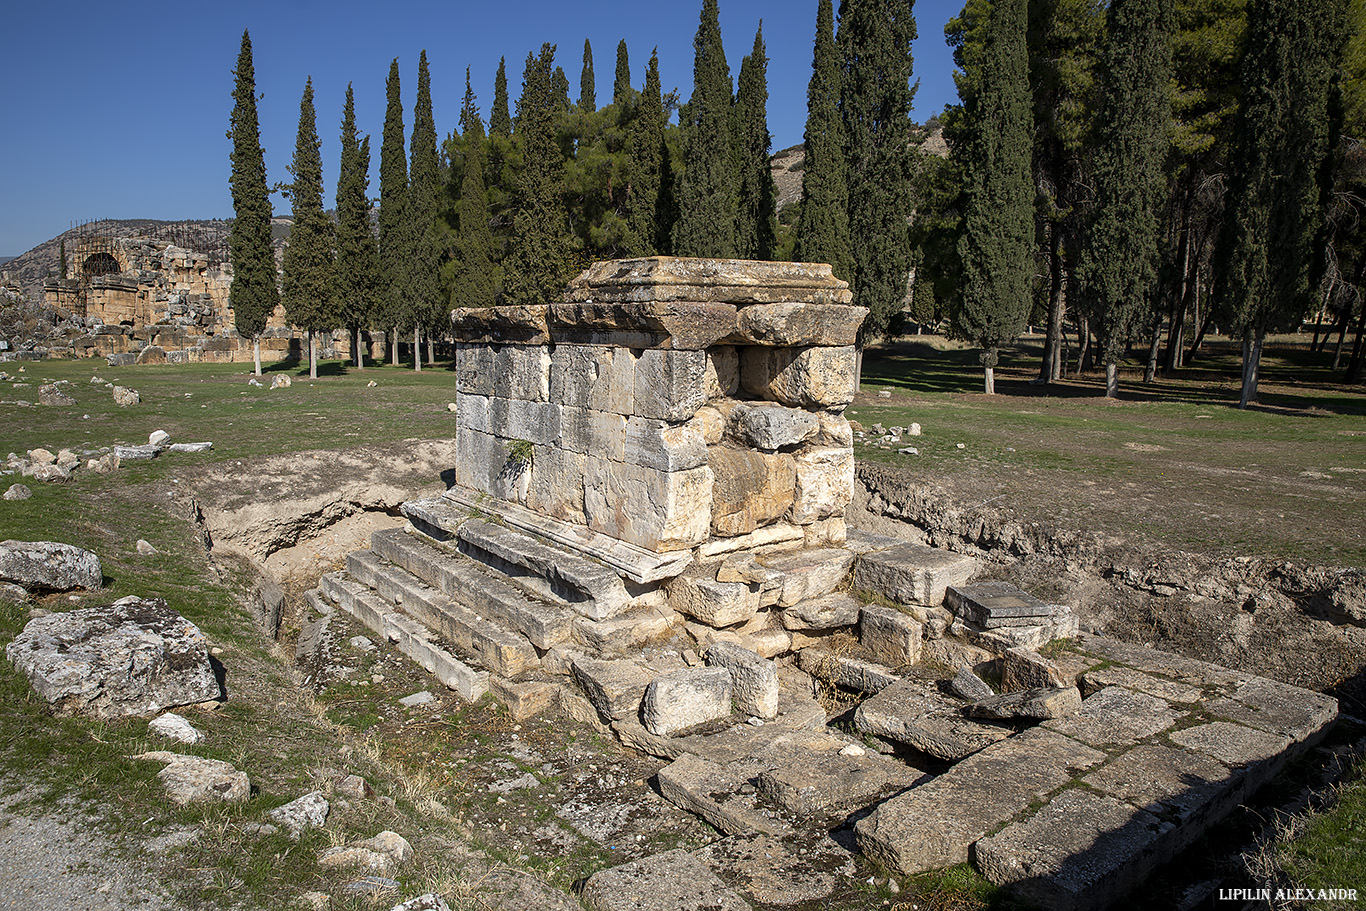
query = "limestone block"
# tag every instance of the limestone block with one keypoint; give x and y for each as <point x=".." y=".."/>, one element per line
<point x="595" y="377"/>
<point x="556" y="485"/>
<point x="679" y="278"/>
<point x="472" y="411"/>
<point x="1115" y="715"/>
<point x="824" y="612"/>
<point x="894" y="638"/>
<point x="712" y="424"/>
<point x="770" y="426"/>
<point x="809" y="573"/>
<point x="194" y="779"/>
<point x="519" y="419"/>
<point x="778" y="535"/>
<point x="474" y="369"/>
<point x="522" y="372"/>
<point x="716" y="793"/>
<point x="664" y="446"/>
<point x="658" y="510"/>
<point x="831" y="532"/>
<point x="834" y="430"/>
<point x="475" y="457"/>
<point x="805" y="377"/>
<point x="766" y="642"/>
<point x="1024" y="669"/>
<point x="593" y="432"/>
<point x="1038" y="703"/>
<point x="686" y="698"/>
<point x="722" y="375"/>
<point x="671" y="881"/>
<point x="49" y="565"/>
<point x="614" y="687"/>
<point x="824" y="483"/>
<point x="789" y="324"/>
<point x="912" y="713"/>
<point x="521" y="324"/>
<point x="754" y="680"/>
<point x="696" y="592"/>
<point x="676" y="324"/>
<point x="912" y="573"/>
<point x="863" y="676"/>
<point x="751" y="488"/>
<point x="669" y="385"/>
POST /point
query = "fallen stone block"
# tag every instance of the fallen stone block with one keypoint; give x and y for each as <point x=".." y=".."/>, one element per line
<point x="912" y="573"/>
<point x="686" y="698"/>
<point x="754" y="679"/>
<point x="381" y="854"/>
<point x="809" y="573"/>
<point x="818" y="772"/>
<point x="523" y="699"/>
<point x="696" y="593"/>
<point x="625" y="633"/>
<point x="891" y="636"/>
<point x="672" y="881"/>
<point x="615" y="688"/>
<point x="1024" y="669"/>
<point x="1039" y="703"/>
<point x="175" y="727"/>
<point x="132" y="657"/>
<point x="49" y="566"/>
<point x="851" y="673"/>
<point x="909" y="712"/>
<point x="791" y="869"/>
<point x="714" y="792"/>
<point x="967" y="685"/>
<point x="990" y="605"/>
<point x="193" y="779"/>
<point x="822" y="612"/>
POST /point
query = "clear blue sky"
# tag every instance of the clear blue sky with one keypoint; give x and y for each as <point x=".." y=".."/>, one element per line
<point x="121" y="112"/>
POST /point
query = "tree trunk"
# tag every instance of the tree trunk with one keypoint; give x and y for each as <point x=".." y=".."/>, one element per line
<point x="990" y="380"/>
<point x="1202" y="326"/>
<point x="417" y="349"/>
<point x="1051" y="370"/>
<point x="1084" y="361"/>
<point x="360" y="351"/>
<point x="1252" y="361"/>
<point x="431" y="351"/>
<point x="1354" y="365"/>
<point x="1154" y="348"/>
<point x="312" y="356"/>
<point x="1112" y="379"/>
<point x="1177" y="330"/>
<point x="256" y="352"/>
<point x="393" y="347"/>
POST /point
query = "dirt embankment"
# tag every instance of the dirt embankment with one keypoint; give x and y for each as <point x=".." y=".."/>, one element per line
<point x="1305" y="625"/>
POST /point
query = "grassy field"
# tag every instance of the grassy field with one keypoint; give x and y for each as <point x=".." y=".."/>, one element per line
<point x="1173" y="462"/>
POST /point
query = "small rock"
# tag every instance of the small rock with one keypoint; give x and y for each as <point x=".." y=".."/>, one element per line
<point x="968" y="685"/>
<point x="909" y="450"/>
<point x="95" y="379"/>
<point x="18" y="492"/>
<point x="52" y="473"/>
<point x="853" y="749"/>
<point x="429" y="902"/>
<point x="124" y="397"/>
<point x="49" y="566"/>
<point x="354" y="786"/>
<point x="309" y="811"/>
<point x="450" y="406"/>
<point x="1037" y="703"/>
<point x="146" y="549"/>
<point x="416" y="699"/>
<point x="372" y="885"/>
<point x="380" y="854"/>
<point x="41" y="457"/>
<point x="914" y="430"/>
<point x="51" y="395"/>
<point x="372" y="384"/>
<point x="193" y="779"/>
<point x="962" y="445"/>
<point x="254" y="382"/>
<point x="158" y="438"/>
<point x="281" y="381"/>
<point x="363" y="643"/>
<point x="884" y="394"/>
<point x="315" y="901"/>
<point x="190" y="447"/>
<point x="176" y="727"/>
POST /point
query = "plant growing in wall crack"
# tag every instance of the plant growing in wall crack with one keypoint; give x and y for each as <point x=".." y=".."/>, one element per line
<point x="520" y="455"/>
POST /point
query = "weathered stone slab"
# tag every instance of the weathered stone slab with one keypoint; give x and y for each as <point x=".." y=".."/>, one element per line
<point x="912" y="573"/>
<point x="664" y="446"/>
<point x="627" y="632"/>
<point x="765" y="641"/>
<point x="822" y="612"/>
<point x="1153" y="661"/>
<point x="715" y="792"/>
<point x="614" y="687"/>
<point x="1279" y="708"/>
<point x="809" y="573"/>
<point x="994" y="604"/>
<point x="770" y="426"/>
<point x="1081" y="851"/>
<point x="666" y="278"/>
<point x="685" y="698"/>
<point x="1040" y="703"/>
<point x="909" y="712"/>
<point x="523" y="698"/>
<point x="790" y="324"/>
<point x="592" y="432"/>
<point x="1118" y="675"/>
<point x="967" y="685"/>
<point x="813" y="377"/>
<point x="672" y="881"/>
<point x="846" y="672"/>
<point x="1235" y="745"/>
<point x="656" y="510"/>
<point x="1190" y="788"/>
<point x="781" y="870"/>
<point x="754" y="679"/>
<point x="1024" y="669"/>
<point x="132" y="657"/>
<point x="669" y="385"/>
<point x="933" y="825"/>
<point x="1035" y="636"/>
<point x="779" y="533"/>
<point x="820" y="773"/>
<point x="519" y="324"/>
<point x="1116" y="716"/>
<point x="307" y="812"/>
<point x="692" y="325"/>
<point x="696" y="593"/>
<point x="49" y="566"/>
<point x="750" y="490"/>
<point x="892" y="637"/>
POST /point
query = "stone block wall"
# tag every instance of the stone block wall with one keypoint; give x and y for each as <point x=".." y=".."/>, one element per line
<point x="669" y="403"/>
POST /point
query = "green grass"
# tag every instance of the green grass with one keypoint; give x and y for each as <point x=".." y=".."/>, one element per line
<point x="1329" y="852"/>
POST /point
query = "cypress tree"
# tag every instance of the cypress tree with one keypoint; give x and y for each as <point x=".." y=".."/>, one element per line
<point x="476" y="282"/>
<point x="707" y="190"/>
<point x="874" y="42"/>
<point x="559" y="88"/>
<point x="823" y="232"/>
<point x="426" y="299"/>
<point x="756" y="218"/>
<point x="500" y="121"/>
<point x="393" y="218"/>
<point x="621" y="86"/>
<point x="588" y="86"/>
<point x="646" y="152"/>
<point x="1282" y="138"/>
<point x="357" y="259"/>
<point x="537" y="264"/>
<point x="253" y="294"/>
<point x="309" y="285"/>
<point x="1120" y="258"/>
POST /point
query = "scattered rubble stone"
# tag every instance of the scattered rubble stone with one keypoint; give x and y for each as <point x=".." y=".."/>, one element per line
<point x="49" y="394"/>
<point x="309" y="811"/>
<point x="193" y="779"/>
<point x="49" y="566"/>
<point x="381" y="854"/>
<point x="18" y="492"/>
<point x="175" y="727"/>
<point x="124" y="397"/>
<point x="672" y="881"/>
<point x="1040" y="703"/>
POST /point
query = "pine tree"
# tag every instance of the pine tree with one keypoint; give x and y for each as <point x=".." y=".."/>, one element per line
<point x="394" y="245"/>
<point x="874" y="42"/>
<point x="588" y="86"/>
<point x="253" y="294"/>
<point x="823" y="232"/>
<point x="357" y="268"/>
<point x="309" y="285"/>
<point x="1120" y="258"/>
<point x="621" y="86"/>
<point x="708" y="189"/>
<point x="756" y="217"/>
<point x="476" y="282"/>
<point x="647" y="153"/>
<point x="998" y="208"/>
<point x="1277" y="175"/>
<point x="537" y="264"/>
<point x="426" y="299"/>
<point x="500" y="121"/>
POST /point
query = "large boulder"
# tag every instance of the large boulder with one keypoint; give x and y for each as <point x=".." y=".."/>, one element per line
<point x="49" y="566"/>
<point x="132" y="657"/>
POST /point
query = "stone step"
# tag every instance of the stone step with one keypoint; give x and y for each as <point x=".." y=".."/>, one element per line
<point x="498" y="650"/>
<point x="590" y="588"/>
<point x="486" y="592"/>
<point x="412" y="639"/>
<point x="915" y="714"/>
<point x="912" y="573"/>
